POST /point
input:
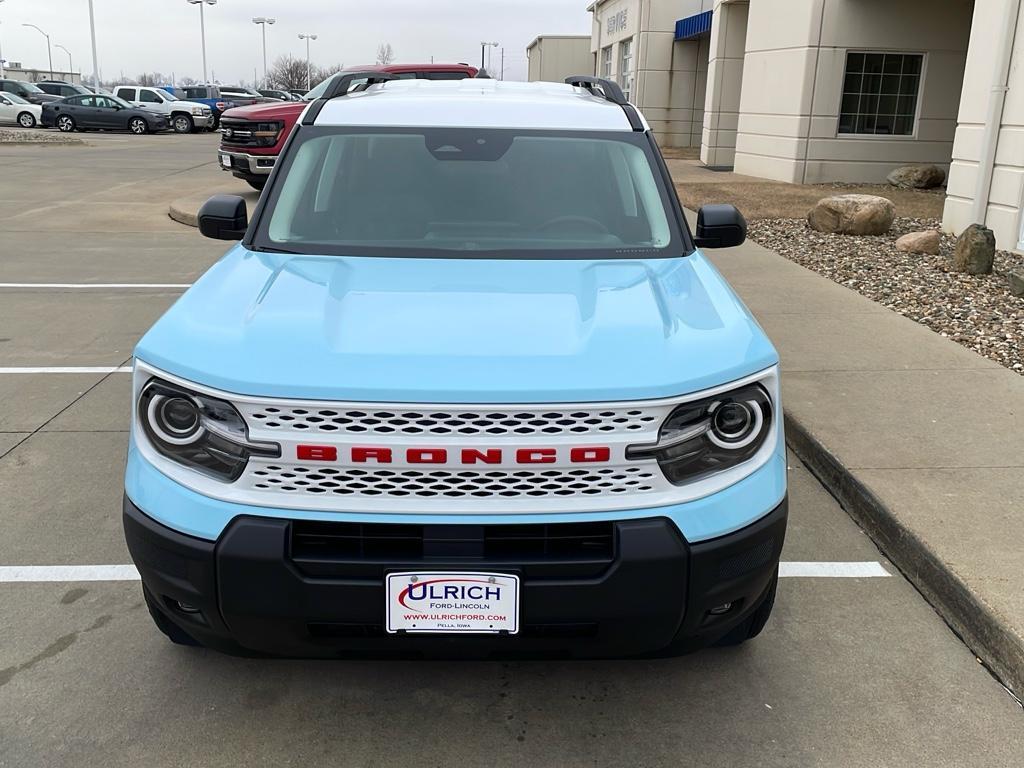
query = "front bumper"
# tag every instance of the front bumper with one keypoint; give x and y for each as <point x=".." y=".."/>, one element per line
<point x="203" y="121"/>
<point x="254" y="595"/>
<point x="242" y="164"/>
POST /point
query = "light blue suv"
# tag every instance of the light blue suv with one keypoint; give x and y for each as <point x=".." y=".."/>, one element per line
<point x="467" y="386"/>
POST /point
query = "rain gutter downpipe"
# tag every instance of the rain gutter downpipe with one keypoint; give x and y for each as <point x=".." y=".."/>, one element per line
<point x="994" y="119"/>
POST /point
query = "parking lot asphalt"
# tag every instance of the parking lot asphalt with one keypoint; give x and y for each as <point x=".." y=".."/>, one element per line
<point x="849" y="671"/>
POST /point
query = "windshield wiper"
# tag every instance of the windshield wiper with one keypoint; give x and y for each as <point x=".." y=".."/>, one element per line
<point x="284" y="251"/>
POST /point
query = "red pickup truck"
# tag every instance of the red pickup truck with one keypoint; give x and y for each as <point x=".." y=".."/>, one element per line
<point x="252" y="137"/>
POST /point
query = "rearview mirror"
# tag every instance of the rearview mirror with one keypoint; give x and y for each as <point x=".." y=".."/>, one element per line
<point x="224" y="217"/>
<point x="720" y="226"/>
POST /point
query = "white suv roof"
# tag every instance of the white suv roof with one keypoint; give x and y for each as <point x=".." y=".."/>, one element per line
<point x="476" y="103"/>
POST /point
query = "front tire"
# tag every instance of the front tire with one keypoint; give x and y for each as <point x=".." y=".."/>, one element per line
<point x="27" y="120"/>
<point x="182" y="124"/>
<point x="65" y="124"/>
<point x="137" y="126"/>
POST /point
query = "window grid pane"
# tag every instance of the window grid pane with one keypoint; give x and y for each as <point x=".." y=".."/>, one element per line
<point x="880" y="92"/>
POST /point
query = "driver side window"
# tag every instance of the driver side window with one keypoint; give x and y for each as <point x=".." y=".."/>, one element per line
<point x="149" y="97"/>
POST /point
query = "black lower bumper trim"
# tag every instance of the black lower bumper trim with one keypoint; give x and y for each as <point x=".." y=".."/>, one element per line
<point x="244" y="594"/>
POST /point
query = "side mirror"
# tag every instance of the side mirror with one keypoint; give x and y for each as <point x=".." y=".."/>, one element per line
<point x="720" y="226"/>
<point x="224" y="217"/>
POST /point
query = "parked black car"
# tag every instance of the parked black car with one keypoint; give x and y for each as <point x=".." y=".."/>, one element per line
<point x="60" y="89"/>
<point x="108" y="113"/>
<point x="28" y="91"/>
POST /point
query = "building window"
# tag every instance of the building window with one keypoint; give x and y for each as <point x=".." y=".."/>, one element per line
<point x="626" y="67"/>
<point x="880" y="93"/>
<point x="606" y="62"/>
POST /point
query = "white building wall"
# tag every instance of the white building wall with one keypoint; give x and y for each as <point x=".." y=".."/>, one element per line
<point x="553" y="58"/>
<point x="1005" y="201"/>
<point x="793" y="73"/>
<point x="669" y="77"/>
<point x="727" y="47"/>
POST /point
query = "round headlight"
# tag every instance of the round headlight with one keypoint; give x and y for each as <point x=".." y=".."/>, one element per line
<point x="735" y="424"/>
<point x="175" y="419"/>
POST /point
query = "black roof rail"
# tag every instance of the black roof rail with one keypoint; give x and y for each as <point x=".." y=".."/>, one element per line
<point x="610" y="91"/>
<point x="599" y="86"/>
<point x="341" y="85"/>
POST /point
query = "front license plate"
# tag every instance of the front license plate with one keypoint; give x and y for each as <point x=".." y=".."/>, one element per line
<point x="452" y="602"/>
<point x="225" y="160"/>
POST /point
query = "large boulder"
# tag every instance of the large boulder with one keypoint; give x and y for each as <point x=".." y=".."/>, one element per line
<point x="917" y="177"/>
<point x="975" y="250"/>
<point x="920" y="242"/>
<point x="1016" y="279"/>
<point x="852" y="215"/>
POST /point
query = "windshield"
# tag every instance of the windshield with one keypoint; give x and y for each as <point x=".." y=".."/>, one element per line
<point x="119" y="101"/>
<point x="31" y="88"/>
<point x="168" y="95"/>
<point x="318" y="91"/>
<point x="15" y="98"/>
<point x="470" y="192"/>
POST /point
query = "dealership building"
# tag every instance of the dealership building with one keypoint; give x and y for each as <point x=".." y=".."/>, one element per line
<point x="813" y="91"/>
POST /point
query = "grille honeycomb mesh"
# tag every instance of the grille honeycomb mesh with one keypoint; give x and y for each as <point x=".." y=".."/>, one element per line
<point x="404" y="483"/>
<point x="511" y="423"/>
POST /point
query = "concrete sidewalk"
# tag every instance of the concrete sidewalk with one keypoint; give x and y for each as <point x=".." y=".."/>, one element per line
<point x="920" y="439"/>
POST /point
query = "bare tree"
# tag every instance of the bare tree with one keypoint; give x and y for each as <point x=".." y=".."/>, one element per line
<point x="187" y="81"/>
<point x="152" y="78"/>
<point x="385" y="54"/>
<point x="319" y="74"/>
<point x="287" y="73"/>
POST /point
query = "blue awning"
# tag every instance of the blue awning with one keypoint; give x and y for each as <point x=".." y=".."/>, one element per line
<point x="693" y="26"/>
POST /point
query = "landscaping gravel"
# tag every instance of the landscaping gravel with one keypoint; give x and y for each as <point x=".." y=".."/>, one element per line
<point x="978" y="312"/>
<point x="35" y="136"/>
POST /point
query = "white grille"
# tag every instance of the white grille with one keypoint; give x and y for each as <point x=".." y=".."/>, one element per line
<point x="455" y="423"/>
<point x="453" y="484"/>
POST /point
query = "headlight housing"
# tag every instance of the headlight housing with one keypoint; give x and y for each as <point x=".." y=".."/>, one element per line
<point x="711" y="435"/>
<point x="197" y="110"/>
<point x="198" y="431"/>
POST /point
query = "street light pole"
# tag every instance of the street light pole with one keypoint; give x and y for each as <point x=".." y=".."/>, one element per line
<point x="49" y="50"/>
<point x="263" y="21"/>
<point x="202" y="28"/>
<point x="95" y="61"/>
<point x="307" y="38"/>
<point x="483" y="48"/>
<point x="1" y="58"/>
<point x="71" y="65"/>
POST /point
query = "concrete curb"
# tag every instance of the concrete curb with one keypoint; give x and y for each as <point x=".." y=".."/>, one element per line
<point x="982" y="630"/>
<point x="184" y="212"/>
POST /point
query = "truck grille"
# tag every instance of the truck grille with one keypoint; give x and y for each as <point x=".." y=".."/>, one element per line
<point x="246" y="133"/>
<point x="453" y="484"/>
<point x="312" y="540"/>
<point x="455" y="423"/>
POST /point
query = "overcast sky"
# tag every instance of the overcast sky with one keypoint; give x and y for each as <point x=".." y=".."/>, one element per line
<point x="136" y="36"/>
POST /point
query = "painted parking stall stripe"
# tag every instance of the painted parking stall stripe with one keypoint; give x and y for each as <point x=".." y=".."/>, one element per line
<point x="86" y="286"/>
<point x="35" y="574"/>
<point x="14" y="370"/>
<point x="864" y="570"/>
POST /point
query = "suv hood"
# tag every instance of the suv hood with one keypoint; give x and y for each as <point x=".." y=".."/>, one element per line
<point x="278" y="110"/>
<point x="458" y="330"/>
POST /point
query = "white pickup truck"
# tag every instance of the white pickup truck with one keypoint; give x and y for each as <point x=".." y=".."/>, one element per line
<point x="184" y="116"/>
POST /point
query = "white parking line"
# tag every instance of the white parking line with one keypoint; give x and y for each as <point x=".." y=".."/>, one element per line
<point x="30" y="574"/>
<point x="96" y="285"/>
<point x="69" y="369"/>
<point x="865" y="570"/>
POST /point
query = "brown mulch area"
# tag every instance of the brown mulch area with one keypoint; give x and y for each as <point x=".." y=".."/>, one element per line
<point x="977" y="312"/>
<point x="778" y="200"/>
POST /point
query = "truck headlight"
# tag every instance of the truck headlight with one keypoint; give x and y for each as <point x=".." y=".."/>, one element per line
<point x="197" y="111"/>
<point x="198" y="431"/>
<point x="707" y="436"/>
